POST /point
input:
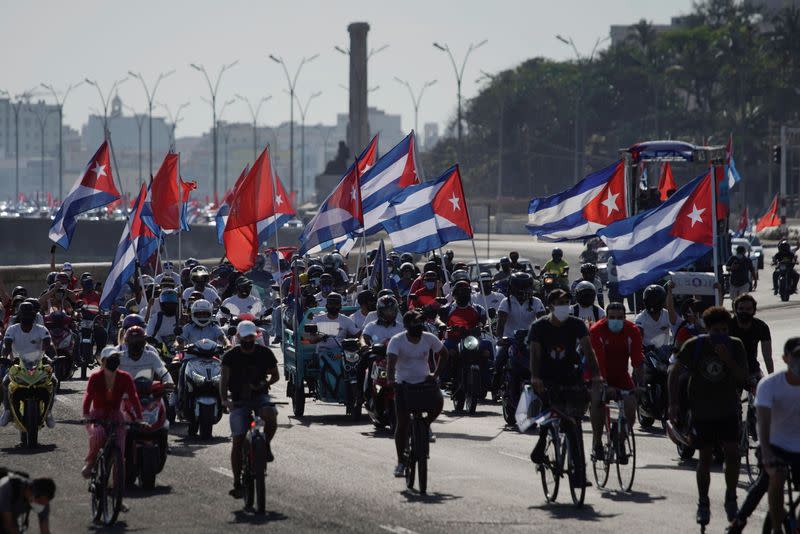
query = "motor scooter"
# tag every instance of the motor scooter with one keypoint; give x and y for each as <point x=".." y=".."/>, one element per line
<point x="146" y="443"/>
<point x="200" y="403"/>
<point x="378" y="394"/>
<point x="62" y="339"/>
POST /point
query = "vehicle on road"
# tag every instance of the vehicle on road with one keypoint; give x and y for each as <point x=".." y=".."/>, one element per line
<point x="146" y="444"/>
<point x="378" y="393"/>
<point x="107" y="481"/>
<point x="418" y="449"/>
<point x="619" y="443"/>
<point x="785" y="269"/>
<point x="30" y="395"/>
<point x="201" y="405"/>
<point x="254" y="466"/>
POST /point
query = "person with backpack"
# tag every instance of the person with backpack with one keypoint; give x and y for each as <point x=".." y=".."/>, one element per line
<point x="742" y="273"/>
<point x="585" y="307"/>
<point x="19" y="495"/>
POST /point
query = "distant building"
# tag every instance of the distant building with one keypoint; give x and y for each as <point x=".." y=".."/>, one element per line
<point x="431" y="131"/>
<point x="620" y="33"/>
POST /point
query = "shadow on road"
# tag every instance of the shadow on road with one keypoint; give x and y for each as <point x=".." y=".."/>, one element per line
<point x="430" y="498"/>
<point x="633" y="496"/>
<point x="569" y="511"/>
<point x="135" y="492"/>
<point x="24" y="451"/>
<point x="68" y="391"/>
<point x="461" y="415"/>
<point x="329" y="420"/>
<point x="119" y="526"/>
<point x="250" y="518"/>
<point x="468" y="437"/>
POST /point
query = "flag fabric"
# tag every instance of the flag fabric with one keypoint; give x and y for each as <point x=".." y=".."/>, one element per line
<point x="666" y="181"/>
<point x="283" y="212"/>
<point x="643" y="181"/>
<point x="379" y="278"/>
<point x="94" y="189"/>
<point x="165" y="196"/>
<point x="593" y="203"/>
<point x="649" y="245"/>
<point x="138" y="243"/>
<point x="186" y="191"/>
<point x="771" y="218"/>
<point x="221" y="217"/>
<point x="730" y="165"/>
<point x="744" y="221"/>
<point x="426" y="216"/>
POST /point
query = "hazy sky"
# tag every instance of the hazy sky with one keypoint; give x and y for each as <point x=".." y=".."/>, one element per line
<point x="62" y="42"/>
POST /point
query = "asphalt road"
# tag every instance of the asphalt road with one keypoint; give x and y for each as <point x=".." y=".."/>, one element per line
<point x="334" y="475"/>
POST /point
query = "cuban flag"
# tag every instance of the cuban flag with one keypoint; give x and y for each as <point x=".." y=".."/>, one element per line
<point x="429" y="215"/>
<point x="648" y="246"/>
<point x="730" y="166"/>
<point x="138" y="243"/>
<point x="339" y="217"/>
<point x="221" y="217"/>
<point x="94" y="189"/>
<point x="282" y="212"/>
<point x="593" y="203"/>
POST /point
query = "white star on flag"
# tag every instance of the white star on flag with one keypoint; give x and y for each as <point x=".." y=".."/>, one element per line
<point x="278" y="200"/>
<point x="695" y="215"/>
<point x="454" y="200"/>
<point x="611" y="202"/>
<point x="99" y="170"/>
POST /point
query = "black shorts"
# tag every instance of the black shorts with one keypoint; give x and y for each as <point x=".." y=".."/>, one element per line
<point x="425" y="396"/>
<point x="709" y="433"/>
<point x="791" y="459"/>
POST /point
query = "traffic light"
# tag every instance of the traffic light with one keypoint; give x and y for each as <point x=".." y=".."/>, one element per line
<point x="776" y="154"/>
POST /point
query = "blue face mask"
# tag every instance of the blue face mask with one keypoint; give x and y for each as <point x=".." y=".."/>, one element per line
<point x="430" y="285"/>
<point x="615" y="325"/>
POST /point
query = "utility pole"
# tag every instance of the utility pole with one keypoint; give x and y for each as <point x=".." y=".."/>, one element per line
<point x="415" y="100"/>
<point x="173" y="119"/>
<point x="303" y="111"/>
<point x="225" y="136"/>
<point x="105" y="99"/>
<point x="41" y="118"/>
<point x="495" y="78"/>
<point x="139" y="124"/>
<point x="254" y="116"/>
<point x="60" y="106"/>
<point x="151" y="95"/>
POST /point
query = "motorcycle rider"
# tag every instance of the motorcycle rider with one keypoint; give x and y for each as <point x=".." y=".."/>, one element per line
<point x="689" y="324"/>
<point x="244" y="301"/>
<point x="168" y="271"/>
<point x="201" y="326"/>
<point x="716" y="367"/>
<point x="136" y="355"/>
<point x="513" y="256"/>
<point x="161" y="326"/>
<point x="58" y="296"/>
<point x="19" y="496"/>
<point x="102" y="400"/>
<point x="23" y="336"/>
<point x="461" y="316"/>
<point x="558" y="266"/>
<point x="248" y="370"/>
<point x="366" y="304"/>
<point x="87" y="294"/>
<point x="326" y="282"/>
<point x="554" y="341"/>
<point x="656" y="322"/>
<point x="386" y="326"/>
<point x="199" y="277"/>
<point x="428" y="292"/>
<point x="186" y="272"/>
<point x="407" y="275"/>
<point x="589" y="274"/>
<point x="347" y="328"/>
<point x="408" y="353"/>
<point x="584" y="307"/>
<point x="503" y="270"/>
<point x="785" y="253"/>
<point x="493" y="298"/>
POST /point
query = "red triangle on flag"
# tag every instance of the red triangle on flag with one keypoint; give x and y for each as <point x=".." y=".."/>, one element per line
<point x="610" y="203"/>
<point x="693" y="221"/>
<point x="451" y="204"/>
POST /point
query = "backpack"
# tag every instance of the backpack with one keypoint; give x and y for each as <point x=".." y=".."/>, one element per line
<point x="739" y="273"/>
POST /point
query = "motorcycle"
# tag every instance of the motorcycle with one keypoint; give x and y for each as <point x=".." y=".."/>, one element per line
<point x="166" y="350"/>
<point x="515" y="373"/>
<point x="232" y="318"/>
<point x="63" y="340"/>
<point x="201" y="405"/>
<point x="785" y="269"/>
<point x="90" y="317"/>
<point x="146" y="444"/>
<point x="378" y="393"/>
<point x="653" y="402"/>
<point x="30" y="395"/>
<point x="468" y="386"/>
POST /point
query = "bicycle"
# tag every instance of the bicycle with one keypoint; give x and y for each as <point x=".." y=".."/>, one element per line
<point x="791" y="519"/>
<point x="418" y="398"/>
<point x="107" y="498"/>
<point x="621" y="452"/>
<point x="559" y="450"/>
<point x="254" y="465"/>
<point x="748" y="437"/>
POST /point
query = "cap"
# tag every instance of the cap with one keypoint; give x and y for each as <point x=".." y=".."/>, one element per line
<point x="246" y="328"/>
<point x="67" y="267"/>
<point x="109" y="351"/>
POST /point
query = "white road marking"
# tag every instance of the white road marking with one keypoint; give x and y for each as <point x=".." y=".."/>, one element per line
<point x="397" y="529"/>
<point x="518" y="457"/>
<point x="223" y="471"/>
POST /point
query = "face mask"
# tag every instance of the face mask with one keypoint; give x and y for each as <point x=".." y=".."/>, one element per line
<point x="615" y="325"/>
<point x="654" y="309"/>
<point x="415" y="330"/>
<point x="37" y="508"/>
<point x="112" y="363"/>
<point x="249" y="344"/>
<point x="561" y="312"/>
<point x="26" y="321"/>
<point x="462" y="300"/>
<point x="430" y="285"/>
<point x="744" y="317"/>
<point x="586" y="300"/>
<point x="333" y="310"/>
<point x="136" y="348"/>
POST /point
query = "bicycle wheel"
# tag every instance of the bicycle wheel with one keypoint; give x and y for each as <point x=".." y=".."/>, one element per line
<point x="420" y="434"/>
<point x="411" y="461"/>
<point x="115" y="484"/>
<point x="577" y="492"/>
<point x="97" y="487"/>
<point x="259" y="457"/>
<point x="602" y="468"/>
<point x="625" y="455"/>
<point x="550" y="468"/>
<point x="248" y="481"/>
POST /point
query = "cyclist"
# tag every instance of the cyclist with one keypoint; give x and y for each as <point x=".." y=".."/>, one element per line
<point x="584" y="308"/>
<point x="716" y="367"/>
<point x="19" y="496"/>
<point x="386" y="326"/>
<point x="558" y="266"/>
<point x="408" y="354"/>
<point x="776" y="399"/>
<point x="617" y="342"/>
<point x="102" y="400"/>
<point x="248" y="370"/>
<point x="554" y="341"/>
<point x="655" y="321"/>
<point x="752" y="331"/>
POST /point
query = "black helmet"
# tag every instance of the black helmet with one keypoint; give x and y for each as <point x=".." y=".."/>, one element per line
<point x="386" y="303"/>
<point x="585" y="293"/>
<point x="406" y="257"/>
<point x="504" y="261"/>
<point x="784" y="247"/>
<point x="51" y="278"/>
<point x="19" y="290"/>
<point x="557" y="254"/>
<point x="328" y="262"/>
<point x="589" y="271"/>
<point x="365" y="297"/>
<point x="243" y="284"/>
<point x="314" y="271"/>
<point x="334" y="298"/>
<point x="133" y="319"/>
<point x="520" y="282"/>
<point x="26" y="312"/>
<point x="199" y="274"/>
<point x="654" y="297"/>
<point x="35" y="303"/>
<point x="326" y="279"/>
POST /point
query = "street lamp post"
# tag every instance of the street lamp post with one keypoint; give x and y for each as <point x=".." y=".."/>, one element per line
<point x="292" y="84"/>
<point x="60" y="106"/>
<point x="578" y="163"/>
<point x="16" y="107"/>
<point x="415" y="100"/>
<point x="173" y="119"/>
<point x="225" y="137"/>
<point x="303" y="111"/>
<point x="254" y="115"/>
<point x="500" y="133"/>
<point x="139" y="124"/>
<point x="372" y="51"/>
<point x="151" y="95"/>
<point x="213" y="88"/>
<point x="105" y="99"/>
<point x="41" y="118"/>
<point x="459" y="77"/>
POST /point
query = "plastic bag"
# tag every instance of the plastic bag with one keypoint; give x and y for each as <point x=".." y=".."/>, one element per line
<point x="527" y="409"/>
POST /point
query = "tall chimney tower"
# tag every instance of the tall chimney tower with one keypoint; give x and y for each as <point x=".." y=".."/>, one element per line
<point x="358" y="127"/>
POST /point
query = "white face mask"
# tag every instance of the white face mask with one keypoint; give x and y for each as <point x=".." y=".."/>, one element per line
<point x="37" y="508"/>
<point x="561" y="312"/>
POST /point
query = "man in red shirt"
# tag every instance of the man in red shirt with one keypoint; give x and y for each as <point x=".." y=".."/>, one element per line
<point x="617" y="341"/>
<point x="427" y="293"/>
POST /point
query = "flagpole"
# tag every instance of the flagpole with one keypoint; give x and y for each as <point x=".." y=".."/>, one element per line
<point x="180" y="211"/>
<point x="274" y="191"/>
<point x="358" y="268"/>
<point x="718" y="296"/>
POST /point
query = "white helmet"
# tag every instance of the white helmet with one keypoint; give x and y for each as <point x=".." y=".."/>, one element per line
<point x="246" y="329"/>
<point x="201" y="312"/>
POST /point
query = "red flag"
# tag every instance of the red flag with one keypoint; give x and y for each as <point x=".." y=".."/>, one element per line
<point x="187" y="188"/>
<point x="771" y="218"/>
<point x="166" y="199"/>
<point x="744" y="220"/>
<point x="666" y="182"/>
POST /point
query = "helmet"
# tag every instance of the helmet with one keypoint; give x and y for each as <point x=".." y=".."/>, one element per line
<point x="585" y="293"/>
<point x="35" y="303"/>
<point x="459" y="275"/>
<point x="260" y="262"/>
<point x="462" y="289"/>
<point x="132" y="319"/>
<point x="51" y="278"/>
<point x="328" y="262"/>
<point x="557" y="254"/>
<point x="407" y="266"/>
<point x="485" y="277"/>
<point x="168" y="266"/>
<point x="244" y="285"/>
<point x="67" y="268"/>
<point x="385" y="293"/>
<point x="246" y="329"/>
<point x="338" y="260"/>
<point x="201" y="312"/>
<point x="134" y="332"/>
<point x="387" y="304"/>
<point x="85" y="275"/>
<point x="147" y="281"/>
<point x="589" y="271"/>
<point x="167" y="282"/>
<point x="784" y="247"/>
<point x="191" y="263"/>
<point x="520" y="282"/>
<point x="19" y="290"/>
<point x="365" y="297"/>
<point x="334" y="298"/>
<point x="298" y="264"/>
<point x="504" y="261"/>
<point x="199" y="275"/>
<point x="326" y="279"/>
<point x="63" y="278"/>
<point x="654" y="297"/>
<point x="168" y="296"/>
<point x="315" y="271"/>
<point x="407" y="257"/>
<point x="430" y="275"/>
<point x="26" y="311"/>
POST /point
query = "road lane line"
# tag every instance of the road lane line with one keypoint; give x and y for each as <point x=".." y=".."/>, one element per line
<point x="223" y="471"/>
<point x="397" y="529"/>
<point x="518" y="457"/>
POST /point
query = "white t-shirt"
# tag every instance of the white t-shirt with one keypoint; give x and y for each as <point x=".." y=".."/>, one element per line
<point x="520" y="316"/>
<point x="321" y="300"/>
<point x="165" y="330"/>
<point x="149" y="361"/>
<point x="587" y="313"/>
<point x="359" y="318"/>
<point x="238" y="305"/>
<point x="783" y="400"/>
<point x="412" y="358"/>
<point x="656" y="333"/>
<point x="493" y="299"/>
<point x="209" y="293"/>
<point x="193" y="333"/>
<point x="379" y="333"/>
<point x="24" y="342"/>
<point x="346" y="328"/>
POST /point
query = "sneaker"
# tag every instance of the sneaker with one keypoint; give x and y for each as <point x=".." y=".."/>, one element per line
<point x="5" y="417"/>
<point x="270" y="457"/>
<point x="277" y="341"/>
<point x="431" y="437"/>
<point x="736" y="526"/>
<point x="598" y="455"/>
<point x="731" y="507"/>
<point x="703" y="513"/>
<point x="399" y="471"/>
<point x="237" y="492"/>
<point x="50" y="421"/>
